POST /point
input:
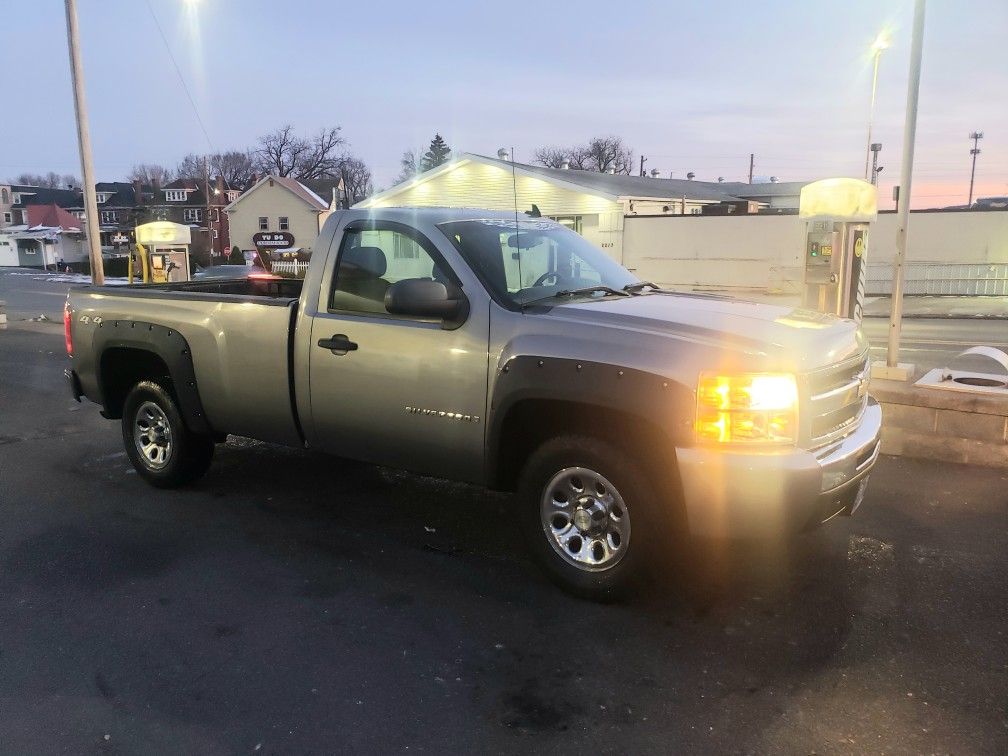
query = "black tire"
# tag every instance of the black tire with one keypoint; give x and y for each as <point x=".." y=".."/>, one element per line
<point x="634" y="488"/>
<point x="189" y="454"/>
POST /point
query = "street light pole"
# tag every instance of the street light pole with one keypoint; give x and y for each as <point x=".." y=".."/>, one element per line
<point x="976" y="136"/>
<point x="906" y="173"/>
<point x="875" y="149"/>
<point x="84" y="143"/>
<point x="880" y="44"/>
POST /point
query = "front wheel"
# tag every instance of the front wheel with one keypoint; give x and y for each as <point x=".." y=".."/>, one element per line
<point x="163" y="451"/>
<point x="586" y="515"/>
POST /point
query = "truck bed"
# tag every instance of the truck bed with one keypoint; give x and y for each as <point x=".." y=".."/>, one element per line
<point x="239" y="334"/>
<point x="222" y="289"/>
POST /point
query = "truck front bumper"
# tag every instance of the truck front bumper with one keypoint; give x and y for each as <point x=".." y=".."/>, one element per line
<point x="737" y="494"/>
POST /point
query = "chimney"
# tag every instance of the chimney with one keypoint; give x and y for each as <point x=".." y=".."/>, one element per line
<point x="220" y="184"/>
<point x="255" y="179"/>
<point x="137" y="192"/>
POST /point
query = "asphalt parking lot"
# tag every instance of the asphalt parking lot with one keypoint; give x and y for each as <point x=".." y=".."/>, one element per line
<point x="293" y="603"/>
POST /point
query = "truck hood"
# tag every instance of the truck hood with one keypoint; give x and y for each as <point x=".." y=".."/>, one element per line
<point x="787" y="337"/>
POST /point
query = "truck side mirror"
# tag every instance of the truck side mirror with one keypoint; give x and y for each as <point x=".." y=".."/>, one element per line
<point x="424" y="298"/>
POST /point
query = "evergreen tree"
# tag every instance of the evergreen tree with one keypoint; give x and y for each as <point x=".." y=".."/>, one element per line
<point x="438" y="153"/>
<point x="236" y="257"/>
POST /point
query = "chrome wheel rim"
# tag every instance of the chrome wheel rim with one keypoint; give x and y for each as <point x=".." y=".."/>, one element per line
<point x="152" y="435"/>
<point x="585" y="519"/>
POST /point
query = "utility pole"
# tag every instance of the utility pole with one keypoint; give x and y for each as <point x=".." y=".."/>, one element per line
<point x="206" y="194"/>
<point x="875" y="148"/>
<point x="892" y="368"/>
<point x="752" y="162"/>
<point x="84" y="144"/>
<point x="976" y="136"/>
<point x="642" y="161"/>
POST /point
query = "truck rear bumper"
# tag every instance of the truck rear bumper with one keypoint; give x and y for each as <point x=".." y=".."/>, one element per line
<point x="735" y="494"/>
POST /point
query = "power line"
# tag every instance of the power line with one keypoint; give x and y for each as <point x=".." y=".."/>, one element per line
<point x="181" y="78"/>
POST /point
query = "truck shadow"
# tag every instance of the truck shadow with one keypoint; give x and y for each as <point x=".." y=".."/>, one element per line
<point x="325" y="498"/>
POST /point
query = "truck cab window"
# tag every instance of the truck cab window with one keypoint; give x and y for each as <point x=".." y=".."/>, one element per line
<point x="370" y="261"/>
<point x="533" y="259"/>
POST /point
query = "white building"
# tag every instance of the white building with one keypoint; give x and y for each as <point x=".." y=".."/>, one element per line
<point x="593" y="204"/>
<point x="49" y="235"/>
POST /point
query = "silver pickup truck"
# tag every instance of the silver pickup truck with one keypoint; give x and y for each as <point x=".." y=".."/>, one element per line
<point x="509" y="352"/>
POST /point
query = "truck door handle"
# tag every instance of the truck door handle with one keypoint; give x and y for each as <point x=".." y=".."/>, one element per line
<point x="338" y="344"/>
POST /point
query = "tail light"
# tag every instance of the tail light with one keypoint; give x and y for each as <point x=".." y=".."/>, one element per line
<point x="66" y="329"/>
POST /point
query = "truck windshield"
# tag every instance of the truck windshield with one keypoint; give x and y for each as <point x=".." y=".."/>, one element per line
<point x="535" y="260"/>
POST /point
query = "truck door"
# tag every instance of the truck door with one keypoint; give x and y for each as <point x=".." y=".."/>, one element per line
<point x="395" y="390"/>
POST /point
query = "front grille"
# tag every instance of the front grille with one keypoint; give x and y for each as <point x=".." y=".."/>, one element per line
<point x="835" y="400"/>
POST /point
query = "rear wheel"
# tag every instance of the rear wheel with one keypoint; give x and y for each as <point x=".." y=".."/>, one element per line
<point x="163" y="451"/>
<point x="589" y="515"/>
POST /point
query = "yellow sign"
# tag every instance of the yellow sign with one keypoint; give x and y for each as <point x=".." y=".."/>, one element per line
<point x="859" y="246"/>
<point x="163" y="233"/>
<point x="843" y="199"/>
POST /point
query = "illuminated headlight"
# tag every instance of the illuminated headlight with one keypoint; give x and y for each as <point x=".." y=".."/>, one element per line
<point x="747" y="408"/>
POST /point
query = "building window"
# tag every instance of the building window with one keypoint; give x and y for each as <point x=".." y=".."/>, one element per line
<point x="4" y="196"/>
<point x="215" y="233"/>
<point x="108" y="216"/>
<point x="573" y="222"/>
<point x="263" y="223"/>
<point x="102" y="197"/>
<point x="695" y="211"/>
<point x="7" y="217"/>
<point x="284" y="223"/>
<point x="232" y="195"/>
<point x="191" y="214"/>
<point x="175" y="195"/>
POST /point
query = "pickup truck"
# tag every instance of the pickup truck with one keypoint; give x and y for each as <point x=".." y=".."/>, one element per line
<point x="505" y="351"/>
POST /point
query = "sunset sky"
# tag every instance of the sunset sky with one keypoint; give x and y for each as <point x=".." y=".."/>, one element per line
<point x="693" y="87"/>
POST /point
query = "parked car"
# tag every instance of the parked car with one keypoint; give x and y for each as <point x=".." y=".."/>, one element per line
<point x="510" y="353"/>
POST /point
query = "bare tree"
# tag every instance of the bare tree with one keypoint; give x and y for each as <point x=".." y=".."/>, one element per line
<point x="190" y="167"/>
<point x="600" y="155"/>
<point x="51" y="180"/>
<point x="280" y="151"/>
<point x="357" y="179"/>
<point x="608" y="153"/>
<point x="408" y="166"/>
<point x="552" y="157"/>
<point x="284" y="153"/>
<point x="323" y="156"/>
<point x="149" y="173"/>
<point x="235" y="167"/>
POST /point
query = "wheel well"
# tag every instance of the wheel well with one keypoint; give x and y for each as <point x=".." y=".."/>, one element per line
<point x="121" y="369"/>
<point x="531" y="422"/>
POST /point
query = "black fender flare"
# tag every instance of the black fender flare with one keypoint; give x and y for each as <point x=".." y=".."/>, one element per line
<point x="655" y="399"/>
<point x="168" y="345"/>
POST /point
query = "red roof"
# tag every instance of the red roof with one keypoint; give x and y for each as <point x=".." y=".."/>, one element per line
<point x="52" y="216"/>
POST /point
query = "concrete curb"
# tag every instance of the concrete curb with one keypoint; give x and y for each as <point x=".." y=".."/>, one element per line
<point x="950" y="426"/>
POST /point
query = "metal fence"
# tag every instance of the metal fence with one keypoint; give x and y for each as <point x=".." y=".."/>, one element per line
<point x="296" y="268"/>
<point x="938" y="279"/>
